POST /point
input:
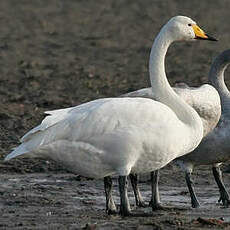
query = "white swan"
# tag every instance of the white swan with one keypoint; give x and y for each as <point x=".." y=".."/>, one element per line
<point x="123" y="135"/>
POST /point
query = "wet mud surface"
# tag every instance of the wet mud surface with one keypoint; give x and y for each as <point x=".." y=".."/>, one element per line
<point x="56" y="54"/>
<point x="67" y="201"/>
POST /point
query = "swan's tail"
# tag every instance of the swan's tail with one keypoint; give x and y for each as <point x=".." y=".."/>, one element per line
<point x="18" y="151"/>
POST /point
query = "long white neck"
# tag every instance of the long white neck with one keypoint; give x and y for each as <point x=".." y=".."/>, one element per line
<point x="160" y="85"/>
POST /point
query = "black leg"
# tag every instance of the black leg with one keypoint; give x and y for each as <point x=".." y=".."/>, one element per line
<point x="110" y="205"/>
<point x="155" y="200"/>
<point x="139" y="200"/>
<point x="224" y="196"/>
<point x="123" y="187"/>
<point x="194" y="201"/>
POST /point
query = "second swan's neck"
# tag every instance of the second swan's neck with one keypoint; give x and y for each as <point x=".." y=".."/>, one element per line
<point x="160" y="85"/>
<point x="216" y="78"/>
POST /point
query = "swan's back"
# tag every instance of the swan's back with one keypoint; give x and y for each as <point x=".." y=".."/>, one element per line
<point x="206" y="101"/>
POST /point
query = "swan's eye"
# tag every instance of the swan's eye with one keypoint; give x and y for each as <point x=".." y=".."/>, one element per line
<point x="189" y="24"/>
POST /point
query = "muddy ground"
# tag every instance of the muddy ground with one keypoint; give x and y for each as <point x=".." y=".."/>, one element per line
<point x="56" y="54"/>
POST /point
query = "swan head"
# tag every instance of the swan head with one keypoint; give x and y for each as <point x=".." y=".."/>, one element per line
<point x="184" y="28"/>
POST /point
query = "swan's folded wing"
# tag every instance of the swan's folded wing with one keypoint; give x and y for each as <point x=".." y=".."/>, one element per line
<point x="206" y="101"/>
<point x="56" y="116"/>
<point x="145" y="93"/>
<point x="71" y="123"/>
<point x="53" y="117"/>
<point x="58" y="125"/>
